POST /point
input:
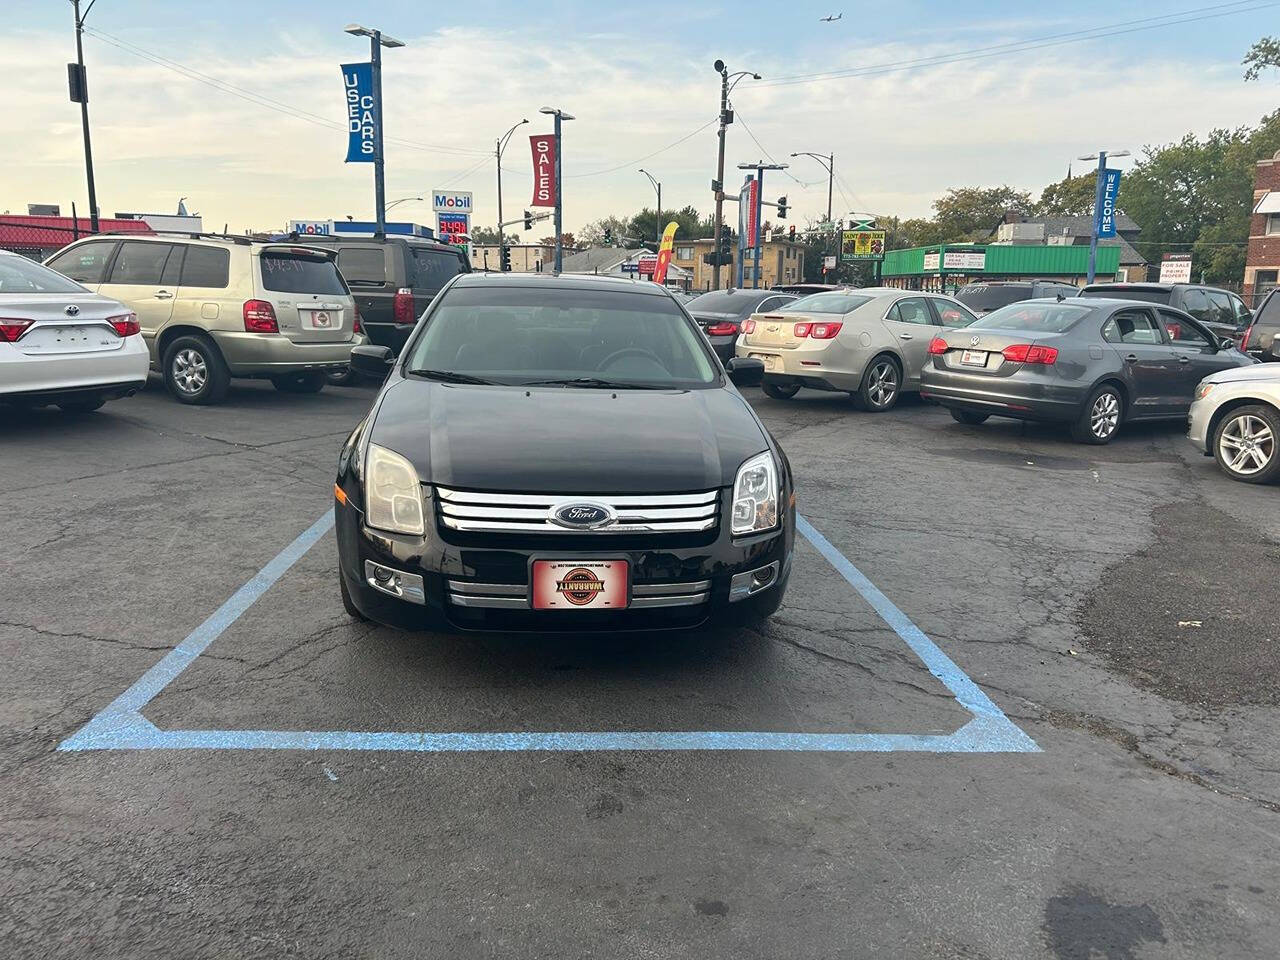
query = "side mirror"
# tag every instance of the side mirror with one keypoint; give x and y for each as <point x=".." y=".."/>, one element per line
<point x="372" y="360"/>
<point x="1226" y="343"/>
<point x="745" y="371"/>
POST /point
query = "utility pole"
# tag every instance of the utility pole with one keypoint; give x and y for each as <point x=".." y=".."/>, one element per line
<point x="80" y="94"/>
<point x="500" y="144"/>
<point x="657" y="186"/>
<point x="560" y="117"/>
<point x="829" y="162"/>
<point x="1097" y="208"/>
<point x="377" y="40"/>
<point x="726" y="118"/>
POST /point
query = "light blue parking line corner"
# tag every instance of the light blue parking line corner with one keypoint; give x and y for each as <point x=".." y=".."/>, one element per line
<point x="986" y="734"/>
<point x="113" y="730"/>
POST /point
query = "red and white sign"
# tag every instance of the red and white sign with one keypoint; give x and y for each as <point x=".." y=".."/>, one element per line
<point x="646" y="264"/>
<point x="579" y="584"/>
<point x="1175" y="268"/>
<point x="544" y="169"/>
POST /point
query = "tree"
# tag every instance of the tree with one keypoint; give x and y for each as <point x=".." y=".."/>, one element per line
<point x="971" y="213"/>
<point x="592" y="235"/>
<point x="566" y="240"/>
<point x="489" y="235"/>
<point x="1262" y="55"/>
<point x="646" y="227"/>
<point x="1069" y="197"/>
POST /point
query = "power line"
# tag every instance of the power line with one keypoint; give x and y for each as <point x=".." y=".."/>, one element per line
<point x="647" y="156"/>
<point x="1031" y="43"/>
<point x="786" y="173"/>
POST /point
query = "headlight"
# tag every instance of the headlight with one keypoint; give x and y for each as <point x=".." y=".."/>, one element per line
<point x="755" y="496"/>
<point x="1202" y="391"/>
<point x="392" y="493"/>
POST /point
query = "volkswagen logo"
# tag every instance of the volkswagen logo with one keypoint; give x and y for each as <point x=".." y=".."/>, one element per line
<point x="583" y="515"/>
<point x="72" y="310"/>
<point x="973" y="341"/>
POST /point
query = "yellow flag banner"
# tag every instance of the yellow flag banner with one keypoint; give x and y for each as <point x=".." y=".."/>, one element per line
<point x="664" y="252"/>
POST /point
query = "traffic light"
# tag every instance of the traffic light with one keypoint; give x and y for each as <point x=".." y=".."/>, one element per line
<point x="791" y="233"/>
<point x="506" y="259"/>
<point x="528" y="220"/>
<point x="782" y="208"/>
<point x="608" y="236"/>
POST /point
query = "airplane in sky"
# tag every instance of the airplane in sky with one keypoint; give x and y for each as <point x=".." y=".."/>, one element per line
<point x="831" y="19"/>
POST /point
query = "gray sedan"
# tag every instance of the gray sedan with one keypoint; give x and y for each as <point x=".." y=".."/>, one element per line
<point x="1094" y="364"/>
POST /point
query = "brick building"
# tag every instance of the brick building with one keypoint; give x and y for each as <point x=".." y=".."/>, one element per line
<point x="1262" y="264"/>
<point x="781" y="261"/>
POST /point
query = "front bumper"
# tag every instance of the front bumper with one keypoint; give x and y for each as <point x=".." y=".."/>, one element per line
<point x="1013" y="396"/>
<point x="468" y="587"/>
<point x="1198" y="418"/>
<point x="261" y="355"/>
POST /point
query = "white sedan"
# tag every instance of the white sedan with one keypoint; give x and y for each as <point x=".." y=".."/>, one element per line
<point x="63" y="345"/>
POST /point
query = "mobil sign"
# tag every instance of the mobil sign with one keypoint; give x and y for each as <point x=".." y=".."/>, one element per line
<point x="453" y="201"/>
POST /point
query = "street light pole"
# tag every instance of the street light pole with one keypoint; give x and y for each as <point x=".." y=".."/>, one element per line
<point x="1097" y="208"/>
<point x="725" y="120"/>
<point x="560" y="117"/>
<point x="500" y="145"/>
<point x="657" y="186"/>
<point x="759" y="168"/>
<point x="829" y="164"/>
<point x="377" y="40"/>
<point x="83" y="89"/>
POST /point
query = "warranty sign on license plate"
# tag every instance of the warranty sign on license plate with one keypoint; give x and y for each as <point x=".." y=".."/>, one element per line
<point x="974" y="358"/>
<point x="321" y="320"/>
<point x="580" y="584"/>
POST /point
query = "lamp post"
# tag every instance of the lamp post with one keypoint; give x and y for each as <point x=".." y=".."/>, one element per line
<point x="377" y="40"/>
<point x="499" y="145"/>
<point x="560" y="116"/>
<point x="401" y="200"/>
<point x="726" y="118"/>
<point x="80" y="94"/>
<point x="829" y="164"/>
<point x="1101" y="157"/>
<point x="657" y="186"/>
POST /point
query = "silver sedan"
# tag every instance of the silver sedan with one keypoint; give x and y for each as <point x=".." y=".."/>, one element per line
<point x="871" y="343"/>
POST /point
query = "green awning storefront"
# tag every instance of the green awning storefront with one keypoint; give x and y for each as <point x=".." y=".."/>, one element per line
<point x="998" y="260"/>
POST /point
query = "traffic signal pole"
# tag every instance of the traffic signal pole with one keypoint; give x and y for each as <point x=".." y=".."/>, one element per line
<point x="724" y="106"/>
<point x="84" y="111"/>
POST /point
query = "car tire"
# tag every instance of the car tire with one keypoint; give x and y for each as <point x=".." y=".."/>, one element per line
<point x="1100" y="417"/>
<point x="881" y="385"/>
<point x="194" y="370"/>
<point x="79" y="406"/>
<point x="352" y="610"/>
<point x="312" y="382"/>
<point x="780" y="391"/>
<point x="968" y="417"/>
<point x="1248" y="435"/>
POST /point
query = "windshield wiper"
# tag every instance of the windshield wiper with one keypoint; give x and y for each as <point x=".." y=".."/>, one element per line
<point x="446" y="376"/>
<point x="591" y="382"/>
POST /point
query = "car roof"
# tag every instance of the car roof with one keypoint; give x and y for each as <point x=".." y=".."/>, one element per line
<point x="379" y="241"/>
<point x="1155" y="287"/>
<point x="563" y="281"/>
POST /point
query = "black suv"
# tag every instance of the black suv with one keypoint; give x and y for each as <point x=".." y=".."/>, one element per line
<point x="1261" y="340"/>
<point x="394" y="279"/>
<point x="984" y="296"/>
<point x="1221" y="311"/>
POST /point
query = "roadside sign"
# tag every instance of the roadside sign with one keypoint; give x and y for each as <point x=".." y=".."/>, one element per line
<point x="451" y="201"/>
<point x="1106" y="217"/>
<point x="968" y="260"/>
<point x="453" y="227"/>
<point x="1175" y="268"/>
<point x="310" y="228"/>
<point x="861" y="245"/>
<point x="932" y="262"/>
<point x="646" y="264"/>
<point x="828" y="263"/>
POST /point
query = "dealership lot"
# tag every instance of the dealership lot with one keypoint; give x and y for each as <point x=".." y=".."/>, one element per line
<point x="1113" y="603"/>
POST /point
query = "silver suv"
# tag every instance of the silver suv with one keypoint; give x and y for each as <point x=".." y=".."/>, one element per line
<point x="214" y="307"/>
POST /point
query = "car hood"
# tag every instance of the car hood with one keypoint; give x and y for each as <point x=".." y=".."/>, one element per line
<point x="1250" y="371"/>
<point x="568" y="440"/>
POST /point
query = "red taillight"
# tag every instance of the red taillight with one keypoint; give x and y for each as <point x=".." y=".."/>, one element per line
<point x="1026" y="353"/>
<point x="825" y="331"/>
<point x="355" y="321"/>
<point x="722" y="329"/>
<point x="1244" y="342"/>
<point x="937" y="346"/>
<point x="126" y="324"/>
<point x="402" y="308"/>
<point x="801" y="329"/>
<point x="12" y="328"/>
<point x="749" y="327"/>
<point x="260" y="317"/>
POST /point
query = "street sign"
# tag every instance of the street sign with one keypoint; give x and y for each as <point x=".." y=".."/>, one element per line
<point x="1175" y="268"/>
<point x="544" y="170"/>
<point x="357" y="79"/>
<point x="828" y="263"/>
<point x="861" y="245"/>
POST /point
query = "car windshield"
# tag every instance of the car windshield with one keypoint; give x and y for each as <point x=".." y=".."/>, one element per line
<point x="834" y="301"/>
<point x="1128" y="293"/>
<point x="1033" y="316"/>
<point x="737" y="303"/>
<point x="564" y="335"/>
<point x="20" y="275"/>
<point x="986" y="296"/>
<point x="286" y="271"/>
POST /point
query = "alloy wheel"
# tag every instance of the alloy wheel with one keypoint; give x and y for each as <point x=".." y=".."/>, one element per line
<point x="1247" y="444"/>
<point x="190" y="372"/>
<point x="883" y="385"/>
<point x="1105" y="415"/>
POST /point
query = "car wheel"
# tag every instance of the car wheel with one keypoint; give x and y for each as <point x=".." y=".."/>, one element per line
<point x="81" y="406"/>
<point x="194" y="371"/>
<point x="352" y="610"/>
<point x="300" y="382"/>
<point x="779" y="391"/>
<point x="1101" y="417"/>
<point x="881" y="384"/>
<point x="1245" y="444"/>
<point x="969" y="417"/>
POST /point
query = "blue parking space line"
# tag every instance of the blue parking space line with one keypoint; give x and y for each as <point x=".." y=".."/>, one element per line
<point x="121" y="725"/>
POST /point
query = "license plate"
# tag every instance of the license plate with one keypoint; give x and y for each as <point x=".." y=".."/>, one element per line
<point x="321" y="320"/>
<point x="974" y="358"/>
<point x="580" y="584"/>
<point x="770" y="360"/>
<point x="68" y="339"/>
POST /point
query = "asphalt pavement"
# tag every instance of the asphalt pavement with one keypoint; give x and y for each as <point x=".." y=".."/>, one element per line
<point x="1115" y="604"/>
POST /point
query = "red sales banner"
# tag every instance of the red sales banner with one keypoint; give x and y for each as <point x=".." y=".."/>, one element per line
<point x="544" y="169"/>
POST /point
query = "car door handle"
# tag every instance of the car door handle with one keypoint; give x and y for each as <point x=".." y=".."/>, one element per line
<point x="163" y="295"/>
<point x="904" y="336"/>
<point x="1184" y="359"/>
<point x="1131" y="358"/>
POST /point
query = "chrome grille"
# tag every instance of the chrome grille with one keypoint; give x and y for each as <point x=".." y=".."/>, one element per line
<point x="515" y="596"/>
<point x="469" y="511"/>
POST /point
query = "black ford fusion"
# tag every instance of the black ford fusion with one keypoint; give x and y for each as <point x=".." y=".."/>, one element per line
<point x="561" y="453"/>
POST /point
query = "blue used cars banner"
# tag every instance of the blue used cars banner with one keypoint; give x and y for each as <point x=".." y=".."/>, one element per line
<point x="357" y="79"/>
<point x="1107" y="212"/>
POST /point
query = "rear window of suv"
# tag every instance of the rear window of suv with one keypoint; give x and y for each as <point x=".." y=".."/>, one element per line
<point x="985" y="296"/>
<point x="432" y="269"/>
<point x="1128" y="293"/>
<point x="287" y="272"/>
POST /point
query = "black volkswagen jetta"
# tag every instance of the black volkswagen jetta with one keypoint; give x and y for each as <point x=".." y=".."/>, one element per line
<point x="561" y="453"/>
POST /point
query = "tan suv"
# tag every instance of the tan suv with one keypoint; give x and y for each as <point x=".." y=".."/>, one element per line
<point x="214" y="307"/>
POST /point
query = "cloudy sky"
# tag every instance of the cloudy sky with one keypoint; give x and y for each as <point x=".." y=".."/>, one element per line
<point x="239" y="106"/>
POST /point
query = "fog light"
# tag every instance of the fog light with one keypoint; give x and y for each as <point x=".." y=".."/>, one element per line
<point x="397" y="583"/>
<point x="747" y="584"/>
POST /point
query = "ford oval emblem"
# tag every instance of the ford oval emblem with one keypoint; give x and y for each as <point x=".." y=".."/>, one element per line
<point x="72" y="310"/>
<point x="583" y="515"/>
